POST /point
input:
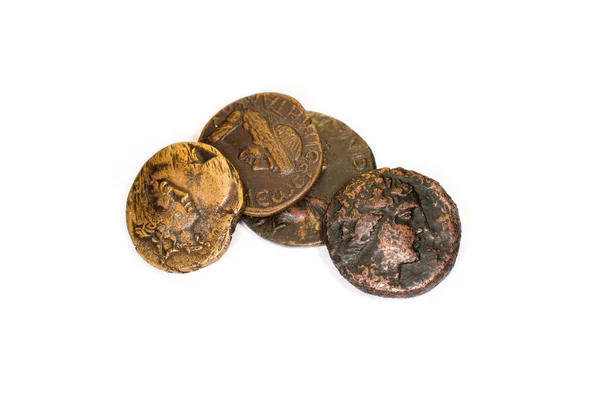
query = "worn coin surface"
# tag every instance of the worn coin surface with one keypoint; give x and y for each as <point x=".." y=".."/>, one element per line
<point x="393" y="232"/>
<point x="345" y="155"/>
<point x="272" y="142"/>
<point x="184" y="206"/>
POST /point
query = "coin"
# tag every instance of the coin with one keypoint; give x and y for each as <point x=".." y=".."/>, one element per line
<point x="184" y="206"/>
<point x="272" y="142"/>
<point x="393" y="232"/>
<point x="345" y="154"/>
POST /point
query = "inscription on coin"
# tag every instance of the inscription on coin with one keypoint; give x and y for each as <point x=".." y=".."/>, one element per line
<point x="184" y="206"/>
<point x="273" y="144"/>
<point x="345" y="154"/>
<point x="393" y="232"/>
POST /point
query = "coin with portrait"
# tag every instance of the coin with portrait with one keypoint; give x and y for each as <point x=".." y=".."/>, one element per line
<point x="272" y="142"/>
<point x="345" y="155"/>
<point x="393" y="232"/>
<point x="184" y="206"/>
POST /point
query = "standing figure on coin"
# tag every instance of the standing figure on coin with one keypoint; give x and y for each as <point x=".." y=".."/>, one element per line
<point x="273" y="144"/>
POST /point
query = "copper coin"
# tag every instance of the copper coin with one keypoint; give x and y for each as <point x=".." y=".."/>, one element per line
<point x="184" y="206"/>
<point x="393" y="232"/>
<point x="345" y="155"/>
<point x="273" y="144"/>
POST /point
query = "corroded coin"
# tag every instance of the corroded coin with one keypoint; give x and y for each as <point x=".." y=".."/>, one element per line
<point x="273" y="144"/>
<point x="184" y="206"/>
<point x="345" y="155"/>
<point x="393" y="232"/>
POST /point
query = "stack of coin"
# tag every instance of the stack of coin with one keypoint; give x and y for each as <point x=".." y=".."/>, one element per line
<point x="300" y="178"/>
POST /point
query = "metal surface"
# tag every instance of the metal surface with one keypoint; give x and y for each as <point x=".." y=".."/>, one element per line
<point x="393" y="232"/>
<point x="271" y="141"/>
<point x="184" y="206"/>
<point x="345" y="154"/>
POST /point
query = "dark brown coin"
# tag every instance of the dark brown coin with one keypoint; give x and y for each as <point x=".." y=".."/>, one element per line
<point x="184" y="206"/>
<point x="393" y="232"/>
<point x="273" y="144"/>
<point x="345" y="154"/>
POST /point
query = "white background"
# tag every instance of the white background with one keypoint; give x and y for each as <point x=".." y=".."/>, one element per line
<point x="497" y="100"/>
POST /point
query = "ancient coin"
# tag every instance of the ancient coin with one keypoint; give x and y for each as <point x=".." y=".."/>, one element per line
<point x="392" y="232"/>
<point x="345" y="155"/>
<point x="273" y="144"/>
<point x="184" y="206"/>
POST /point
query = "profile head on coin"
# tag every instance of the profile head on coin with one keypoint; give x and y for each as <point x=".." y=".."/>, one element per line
<point x="345" y="155"/>
<point x="184" y="206"/>
<point x="272" y="142"/>
<point x="393" y="232"/>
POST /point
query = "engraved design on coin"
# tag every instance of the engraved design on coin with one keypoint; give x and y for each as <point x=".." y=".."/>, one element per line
<point x="183" y="207"/>
<point x="273" y="144"/>
<point x="393" y="232"/>
<point x="272" y="149"/>
<point x="345" y="154"/>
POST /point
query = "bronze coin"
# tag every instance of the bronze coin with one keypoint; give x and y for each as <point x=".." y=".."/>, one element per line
<point x="273" y="144"/>
<point x="393" y="232"/>
<point x="184" y="206"/>
<point x="345" y="155"/>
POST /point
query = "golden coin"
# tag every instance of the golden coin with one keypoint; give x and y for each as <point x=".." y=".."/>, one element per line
<point x="184" y="206"/>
